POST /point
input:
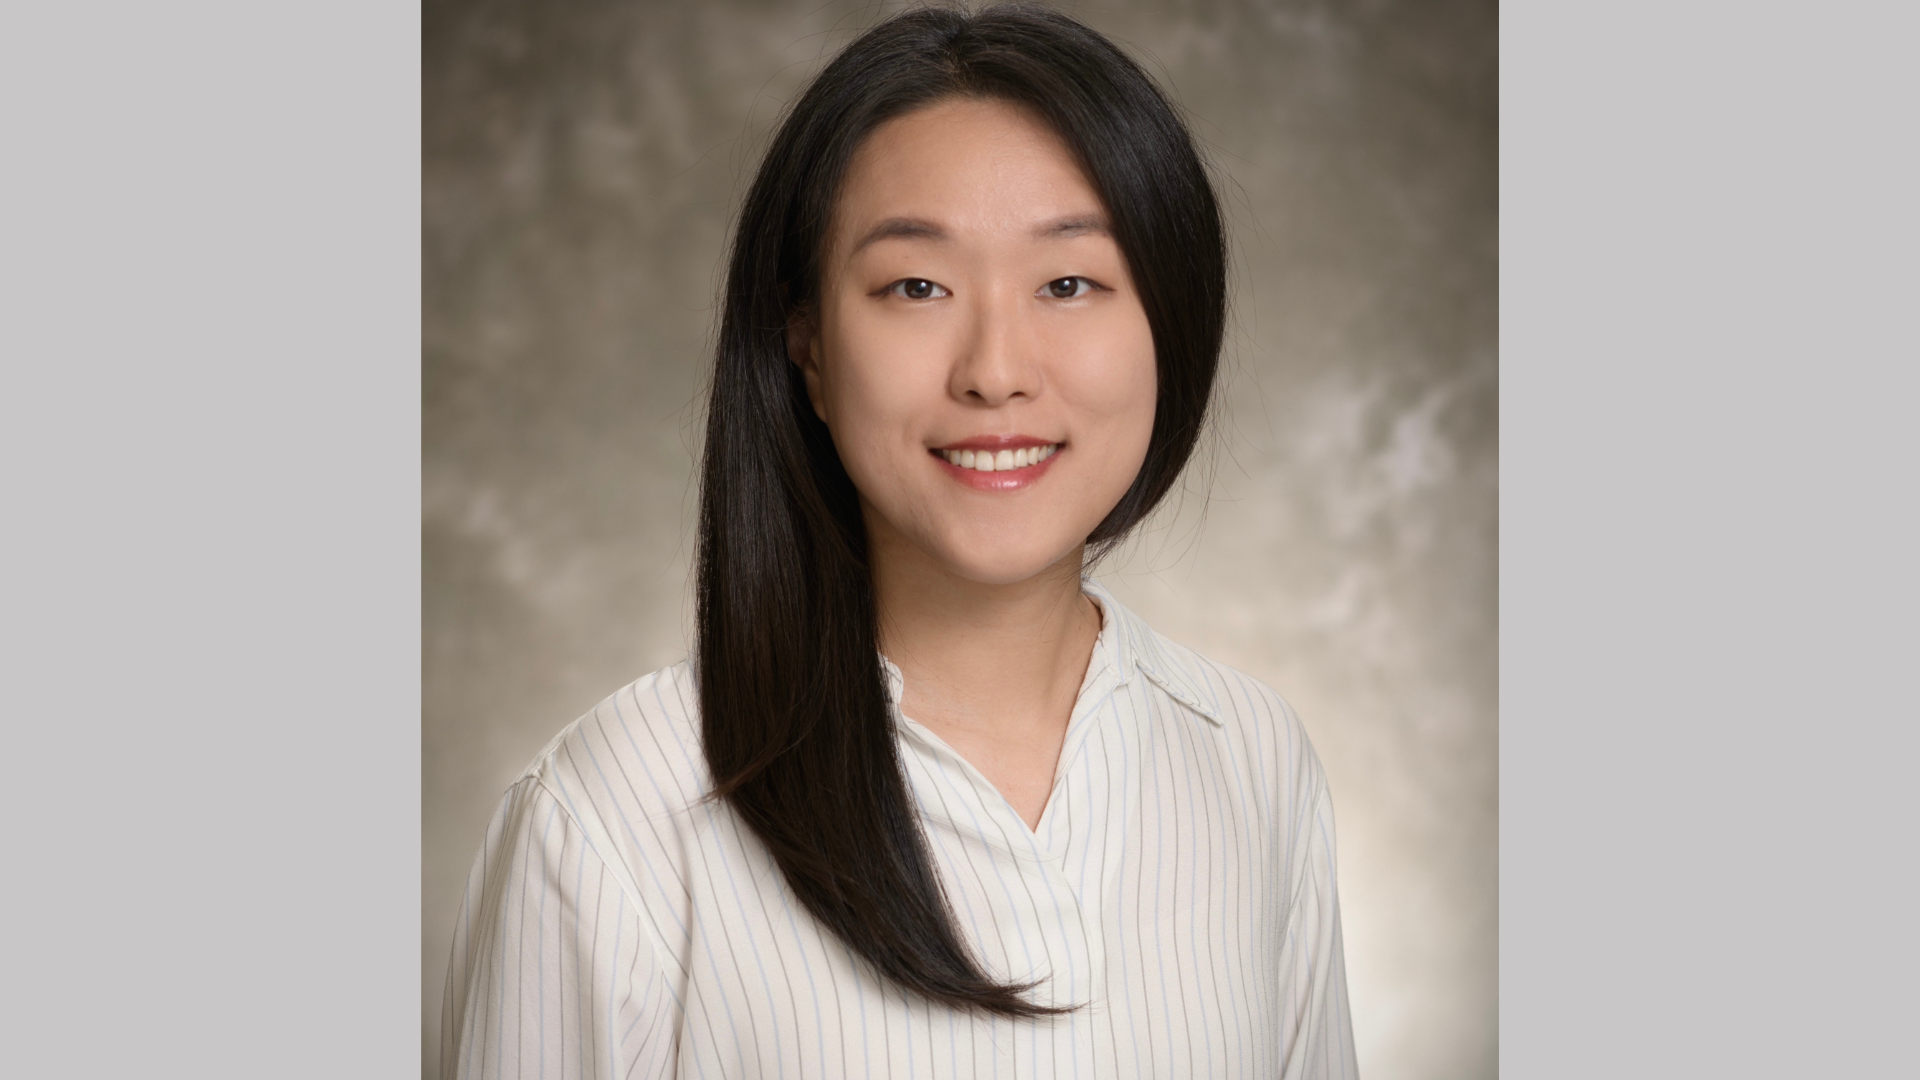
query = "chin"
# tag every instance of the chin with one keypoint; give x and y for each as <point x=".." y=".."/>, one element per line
<point x="1002" y="567"/>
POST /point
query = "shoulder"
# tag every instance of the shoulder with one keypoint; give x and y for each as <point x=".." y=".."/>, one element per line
<point x="637" y="751"/>
<point x="1259" y="724"/>
<point x="1237" y="701"/>
<point x="1263" y="731"/>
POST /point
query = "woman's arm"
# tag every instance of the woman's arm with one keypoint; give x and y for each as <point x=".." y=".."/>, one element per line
<point x="552" y="974"/>
<point x="1313" y="971"/>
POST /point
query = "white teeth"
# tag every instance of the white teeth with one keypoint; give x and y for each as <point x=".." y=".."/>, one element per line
<point x="1000" y="461"/>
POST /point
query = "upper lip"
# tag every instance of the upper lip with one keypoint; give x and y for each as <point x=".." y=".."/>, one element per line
<point x="998" y="442"/>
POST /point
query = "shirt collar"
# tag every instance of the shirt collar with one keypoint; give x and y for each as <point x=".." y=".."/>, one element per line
<point x="1127" y="644"/>
<point x="1137" y="647"/>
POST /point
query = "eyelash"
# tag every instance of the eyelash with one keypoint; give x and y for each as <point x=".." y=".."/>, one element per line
<point x="1084" y="286"/>
<point x="898" y="288"/>
<point x="1078" y="291"/>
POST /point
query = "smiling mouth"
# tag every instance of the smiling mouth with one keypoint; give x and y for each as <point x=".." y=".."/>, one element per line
<point x="987" y="461"/>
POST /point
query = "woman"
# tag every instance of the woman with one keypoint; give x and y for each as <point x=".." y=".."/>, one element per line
<point x="926" y="802"/>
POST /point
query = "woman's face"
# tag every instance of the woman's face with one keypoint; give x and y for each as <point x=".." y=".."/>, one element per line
<point x="975" y="314"/>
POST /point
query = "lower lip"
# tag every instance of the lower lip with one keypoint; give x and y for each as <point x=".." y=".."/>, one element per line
<point x="1011" y="480"/>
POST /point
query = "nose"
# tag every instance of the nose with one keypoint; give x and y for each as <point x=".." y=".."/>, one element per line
<point x="997" y="362"/>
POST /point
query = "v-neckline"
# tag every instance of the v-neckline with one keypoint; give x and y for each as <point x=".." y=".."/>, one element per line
<point x="1095" y="686"/>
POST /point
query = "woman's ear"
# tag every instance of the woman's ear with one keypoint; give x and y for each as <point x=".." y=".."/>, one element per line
<point x="803" y="348"/>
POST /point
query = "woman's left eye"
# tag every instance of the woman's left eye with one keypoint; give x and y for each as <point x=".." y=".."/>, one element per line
<point x="1068" y="288"/>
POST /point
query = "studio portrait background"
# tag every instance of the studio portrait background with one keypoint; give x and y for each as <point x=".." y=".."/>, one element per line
<point x="1336" y="538"/>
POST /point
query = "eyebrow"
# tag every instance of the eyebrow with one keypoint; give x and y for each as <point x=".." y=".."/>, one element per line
<point x="904" y="228"/>
<point x="901" y="229"/>
<point x="1068" y="227"/>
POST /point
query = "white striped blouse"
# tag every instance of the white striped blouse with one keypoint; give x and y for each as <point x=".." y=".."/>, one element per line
<point x="1179" y="887"/>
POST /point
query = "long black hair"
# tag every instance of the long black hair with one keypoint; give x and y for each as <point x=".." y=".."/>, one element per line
<point x="796" y="720"/>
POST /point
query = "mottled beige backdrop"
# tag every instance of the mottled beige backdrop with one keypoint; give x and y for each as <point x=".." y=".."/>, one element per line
<point x="582" y="161"/>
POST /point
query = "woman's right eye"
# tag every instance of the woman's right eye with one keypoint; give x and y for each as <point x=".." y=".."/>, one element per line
<point x="917" y="289"/>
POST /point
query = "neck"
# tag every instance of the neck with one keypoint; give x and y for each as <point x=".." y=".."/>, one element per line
<point x="994" y="660"/>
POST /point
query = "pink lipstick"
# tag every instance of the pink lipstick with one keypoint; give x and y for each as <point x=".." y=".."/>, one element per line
<point x="997" y="462"/>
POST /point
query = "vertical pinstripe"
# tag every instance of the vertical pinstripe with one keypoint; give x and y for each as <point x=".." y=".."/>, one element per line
<point x="1180" y="885"/>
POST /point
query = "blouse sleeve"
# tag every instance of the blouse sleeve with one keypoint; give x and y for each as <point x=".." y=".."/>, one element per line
<point x="1313" y="972"/>
<point x="552" y="974"/>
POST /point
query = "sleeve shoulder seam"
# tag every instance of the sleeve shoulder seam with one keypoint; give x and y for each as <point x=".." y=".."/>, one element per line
<point x="1319" y="792"/>
<point x="619" y="878"/>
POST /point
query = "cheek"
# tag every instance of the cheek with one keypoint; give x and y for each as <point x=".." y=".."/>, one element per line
<point x="1107" y="372"/>
<point x="875" y="388"/>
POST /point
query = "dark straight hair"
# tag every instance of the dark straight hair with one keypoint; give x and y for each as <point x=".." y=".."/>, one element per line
<point x="796" y="719"/>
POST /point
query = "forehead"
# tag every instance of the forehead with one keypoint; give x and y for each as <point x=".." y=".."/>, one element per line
<point x="971" y="165"/>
